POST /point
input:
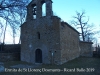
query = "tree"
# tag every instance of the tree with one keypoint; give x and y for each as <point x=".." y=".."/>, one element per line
<point x="11" y="11"/>
<point x="1" y="30"/>
<point x="84" y="28"/>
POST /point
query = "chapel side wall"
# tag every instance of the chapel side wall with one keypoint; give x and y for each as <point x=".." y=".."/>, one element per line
<point x="86" y="49"/>
<point x="69" y="39"/>
<point x="56" y="22"/>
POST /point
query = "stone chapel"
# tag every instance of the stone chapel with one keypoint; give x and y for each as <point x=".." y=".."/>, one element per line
<point x="46" y="39"/>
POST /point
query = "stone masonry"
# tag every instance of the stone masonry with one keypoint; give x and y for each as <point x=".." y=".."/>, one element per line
<point x="45" y="39"/>
<point x="86" y="49"/>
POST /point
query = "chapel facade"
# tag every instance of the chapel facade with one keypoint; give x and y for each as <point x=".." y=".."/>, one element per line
<point x="45" y="39"/>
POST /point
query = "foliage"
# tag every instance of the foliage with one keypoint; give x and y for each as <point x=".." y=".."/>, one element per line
<point x="13" y="12"/>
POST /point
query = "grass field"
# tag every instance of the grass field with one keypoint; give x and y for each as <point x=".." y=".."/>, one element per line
<point x="78" y="66"/>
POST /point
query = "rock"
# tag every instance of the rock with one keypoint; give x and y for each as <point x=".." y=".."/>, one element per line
<point x="1" y="68"/>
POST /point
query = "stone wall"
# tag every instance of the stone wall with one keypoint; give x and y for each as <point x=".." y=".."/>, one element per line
<point x="9" y="57"/>
<point x="10" y="52"/>
<point x="98" y="51"/>
<point x="10" y="48"/>
<point x="69" y="42"/>
<point x="56" y="42"/>
<point x="49" y="41"/>
<point x="86" y="49"/>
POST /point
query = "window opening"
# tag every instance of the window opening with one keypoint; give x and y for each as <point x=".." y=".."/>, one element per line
<point x="38" y="35"/>
<point x="43" y="8"/>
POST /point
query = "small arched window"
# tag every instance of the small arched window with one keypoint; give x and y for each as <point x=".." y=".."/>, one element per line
<point x="38" y="34"/>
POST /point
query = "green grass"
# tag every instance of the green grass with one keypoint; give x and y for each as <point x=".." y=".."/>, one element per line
<point x="81" y="62"/>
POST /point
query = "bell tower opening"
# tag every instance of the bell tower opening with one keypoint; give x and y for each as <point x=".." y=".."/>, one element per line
<point x="39" y="8"/>
<point x="46" y="7"/>
<point x="43" y="8"/>
<point x="34" y="10"/>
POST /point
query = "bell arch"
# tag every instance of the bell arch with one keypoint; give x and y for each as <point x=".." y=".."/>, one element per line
<point x="43" y="7"/>
<point x="34" y="10"/>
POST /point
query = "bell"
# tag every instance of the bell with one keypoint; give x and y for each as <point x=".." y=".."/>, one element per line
<point x="34" y="11"/>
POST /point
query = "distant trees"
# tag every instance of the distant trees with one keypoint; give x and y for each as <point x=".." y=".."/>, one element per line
<point x="13" y="12"/>
<point x="81" y="23"/>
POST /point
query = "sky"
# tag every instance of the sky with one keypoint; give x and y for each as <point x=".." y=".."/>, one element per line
<point x="66" y="9"/>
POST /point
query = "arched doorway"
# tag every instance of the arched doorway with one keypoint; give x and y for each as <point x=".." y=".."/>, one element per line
<point x="38" y="56"/>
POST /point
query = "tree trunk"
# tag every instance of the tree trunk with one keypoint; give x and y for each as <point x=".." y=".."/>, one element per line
<point x="4" y="33"/>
